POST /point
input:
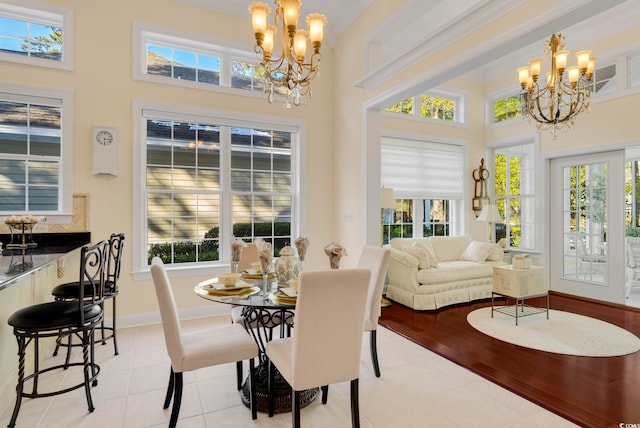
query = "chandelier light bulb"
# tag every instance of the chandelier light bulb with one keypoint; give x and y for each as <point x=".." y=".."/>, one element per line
<point x="535" y="65"/>
<point x="259" y="12"/>
<point x="583" y="60"/>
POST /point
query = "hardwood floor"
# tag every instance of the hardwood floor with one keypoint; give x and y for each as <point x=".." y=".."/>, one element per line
<point x="591" y="392"/>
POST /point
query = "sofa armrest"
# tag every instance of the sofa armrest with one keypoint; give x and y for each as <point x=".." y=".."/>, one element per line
<point x="403" y="270"/>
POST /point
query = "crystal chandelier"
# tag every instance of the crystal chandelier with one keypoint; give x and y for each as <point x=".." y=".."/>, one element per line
<point x="287" y="76"/>
<point x="556" y="105"/>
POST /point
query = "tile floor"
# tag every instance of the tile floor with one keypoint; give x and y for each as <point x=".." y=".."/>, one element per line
<point x="417" y="389"/>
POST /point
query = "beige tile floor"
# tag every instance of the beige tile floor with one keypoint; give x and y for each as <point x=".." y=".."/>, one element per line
<point x="417" y="389"/>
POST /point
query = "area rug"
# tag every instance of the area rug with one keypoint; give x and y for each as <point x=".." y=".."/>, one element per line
<point x="563" y="333"/>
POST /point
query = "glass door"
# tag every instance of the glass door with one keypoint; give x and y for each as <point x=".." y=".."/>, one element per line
<point x="586" y="226"/>
<point x="585" y="221"/>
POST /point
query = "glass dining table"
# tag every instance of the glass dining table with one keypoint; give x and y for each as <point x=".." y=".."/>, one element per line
<point x="267" y="312"/>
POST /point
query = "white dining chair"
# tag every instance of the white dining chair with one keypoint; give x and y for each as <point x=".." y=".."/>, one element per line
<point x="327" y="337"/>
<point x="191" y="351"/>
<point x="376" y="259"/>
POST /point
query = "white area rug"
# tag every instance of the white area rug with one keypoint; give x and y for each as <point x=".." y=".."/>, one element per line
<point x="562" y="333"/>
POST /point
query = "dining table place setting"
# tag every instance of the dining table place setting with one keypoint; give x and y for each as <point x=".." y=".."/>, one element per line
<point x="222" y="286"/>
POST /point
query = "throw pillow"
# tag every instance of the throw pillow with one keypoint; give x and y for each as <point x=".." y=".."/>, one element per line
<point x="420" y="254"/>
<point x="496" y="254"/>
<point x="431" y="253"/>
<point x="476" y="251"/>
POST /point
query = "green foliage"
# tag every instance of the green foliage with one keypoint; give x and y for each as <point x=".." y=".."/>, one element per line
<point x="437" y="107"/>
<point x="507" y="108"/>
<point x="208" y="249"/>
<point x="634" y="232"/>
<point x="405" y="107"/>
<point x="50" y="44"/>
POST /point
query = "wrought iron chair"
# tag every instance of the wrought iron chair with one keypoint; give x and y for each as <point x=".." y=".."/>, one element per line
<point x="79" y="318"/>
<point x="69" y="291"/>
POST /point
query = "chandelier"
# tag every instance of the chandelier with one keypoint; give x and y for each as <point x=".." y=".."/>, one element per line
<point x="288" y="75"/>
<point x="556" y="105"/>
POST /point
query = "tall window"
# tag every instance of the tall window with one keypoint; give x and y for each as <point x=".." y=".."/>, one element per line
<point x="208" y="179"/>
<point x="427" y="179"/>
<point x="632" y="197"/>
<point x="36" y="36"/>
<point x="515" y="194"/>
<point x="31" y="149"/>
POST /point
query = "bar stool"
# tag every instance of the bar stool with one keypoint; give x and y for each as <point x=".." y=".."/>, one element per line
<point x="78" y="318"/>
<point x="69" y="291"/>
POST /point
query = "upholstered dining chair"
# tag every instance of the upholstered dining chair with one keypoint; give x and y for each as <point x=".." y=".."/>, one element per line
<point x="327" y="337"/>
<point x="376" y="259"/>
<point x="69" y="291"/>
<point x="79" y="317"/>
<point x="190" y="351"/>
<point x="249" y="255"/>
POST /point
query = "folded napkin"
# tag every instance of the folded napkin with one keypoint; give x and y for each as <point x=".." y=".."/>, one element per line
<point x="335" y="252"/>
<point x="302" y="243"/>
<point x="237" y="245"/>
<point x="265" y="254"/>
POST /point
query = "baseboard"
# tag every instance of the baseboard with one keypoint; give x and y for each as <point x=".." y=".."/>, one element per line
<point x="136" y="320"/>
<point x="588" y="299"/>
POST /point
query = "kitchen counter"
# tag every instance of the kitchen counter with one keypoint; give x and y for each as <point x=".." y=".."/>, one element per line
<point x="51" y="247"/>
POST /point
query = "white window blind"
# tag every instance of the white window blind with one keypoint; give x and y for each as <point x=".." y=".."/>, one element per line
<point x="422" y="169"/>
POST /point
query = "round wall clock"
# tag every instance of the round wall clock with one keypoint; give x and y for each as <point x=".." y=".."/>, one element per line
<point x="104" y="137"/>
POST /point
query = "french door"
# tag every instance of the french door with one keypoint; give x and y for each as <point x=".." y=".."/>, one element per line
<point x="586" y="225"/>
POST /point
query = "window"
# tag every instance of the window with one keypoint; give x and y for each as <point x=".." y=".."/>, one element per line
<point x="39" y="37"/>
<point x="427" y="180"/>
<point x="187" y="60"/>
<point x="604" y="79"/>
<point x="514" y="168"/>
<point x="33" y="145"/>
<point x="438" y="108"/>
<point x="634" y="70"/>
<point x="507" y="108"/>
<point x="183" y="64"/>
<point x="444" y="106"/>
<point x="208" y="178"/>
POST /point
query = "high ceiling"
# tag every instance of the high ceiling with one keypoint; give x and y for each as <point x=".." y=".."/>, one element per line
<point x="421" y="27"/>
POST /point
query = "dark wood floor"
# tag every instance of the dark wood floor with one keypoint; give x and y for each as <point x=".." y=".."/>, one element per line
<point x="591" y="392"/>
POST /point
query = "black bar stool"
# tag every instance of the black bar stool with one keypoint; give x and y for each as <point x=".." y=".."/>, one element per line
<point x="69" y="291"/>
<point x="78" y="318"/>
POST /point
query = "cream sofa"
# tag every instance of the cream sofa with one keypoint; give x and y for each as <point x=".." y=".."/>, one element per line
<point x="429" y="273"/>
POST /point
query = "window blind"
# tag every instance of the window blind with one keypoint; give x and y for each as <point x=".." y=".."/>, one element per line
<point x="422" y="169"/>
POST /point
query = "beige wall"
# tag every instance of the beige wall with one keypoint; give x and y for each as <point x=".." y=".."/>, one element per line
<point x="337" y="185"/>
<point x="104" y="90"/>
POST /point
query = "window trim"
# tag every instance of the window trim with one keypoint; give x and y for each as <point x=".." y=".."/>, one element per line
<point x="490" y="100"/>
<point x="140" y="269"/>
<point x="226" y="50"/>
<point x="460" y="97"/>
<point x="538" y="194"/>
<point x="65" y="213"/>
<point x="43" y="13"/>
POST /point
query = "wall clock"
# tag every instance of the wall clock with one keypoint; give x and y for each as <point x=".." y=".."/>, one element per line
<point x="104" y="150"/>
<point x="104" y="137"/>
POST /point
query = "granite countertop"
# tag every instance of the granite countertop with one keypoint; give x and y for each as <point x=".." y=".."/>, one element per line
<point x="16" y="263"/>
